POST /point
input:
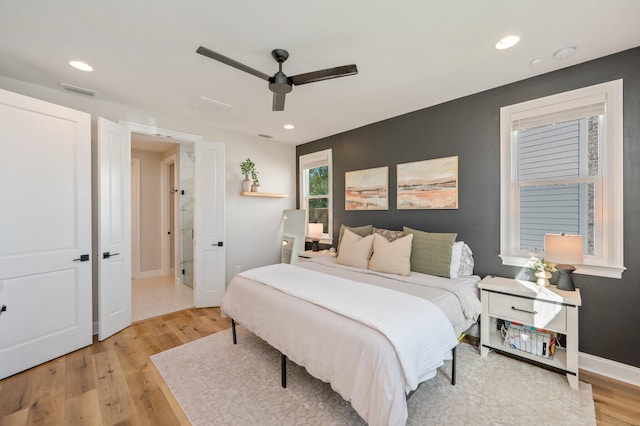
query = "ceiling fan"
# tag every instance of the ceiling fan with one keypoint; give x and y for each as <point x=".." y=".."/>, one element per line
<point x="280" y="84"/>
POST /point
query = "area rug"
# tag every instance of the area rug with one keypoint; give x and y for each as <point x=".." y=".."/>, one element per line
<point x="218" y="383"/>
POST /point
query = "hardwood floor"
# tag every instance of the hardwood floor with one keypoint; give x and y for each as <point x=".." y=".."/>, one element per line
<point x="115" y="383"/>
<point x="110" y="382"/>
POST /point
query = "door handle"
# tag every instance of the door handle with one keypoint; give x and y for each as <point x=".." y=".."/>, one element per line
<point x="82" y="258"/>
<point x="107" y="255"/>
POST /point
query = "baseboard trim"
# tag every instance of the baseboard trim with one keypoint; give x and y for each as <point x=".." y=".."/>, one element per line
<point x="149" y="274"/>
<point x="612" y="369"/>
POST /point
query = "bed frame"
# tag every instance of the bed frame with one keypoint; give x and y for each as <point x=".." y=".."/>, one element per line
<point x="283" y="358"/>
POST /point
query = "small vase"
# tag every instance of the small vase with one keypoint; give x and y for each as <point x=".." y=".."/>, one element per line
<point x="543" y="278"/>
<point x="246" y="184"/>
<point x="254" y="188"/>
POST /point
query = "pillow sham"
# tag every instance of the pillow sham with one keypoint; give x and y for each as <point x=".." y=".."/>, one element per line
<point x="466" y="262"/>
<point x="391" y="257"/>
<point x="388" y="233"/>
<point x="431" y="252"/>
<point x="362" y="231"/>
<point x="355" y="250"/>
<point x="461" y="260"/>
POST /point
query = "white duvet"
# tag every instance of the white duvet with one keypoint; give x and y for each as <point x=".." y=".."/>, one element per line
<point x="356" y="358"/>
<point x="419" y="331"/>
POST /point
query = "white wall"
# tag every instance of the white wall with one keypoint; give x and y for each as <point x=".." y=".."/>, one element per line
<point x="252" y="223"/>
<point x="150" y="226"/>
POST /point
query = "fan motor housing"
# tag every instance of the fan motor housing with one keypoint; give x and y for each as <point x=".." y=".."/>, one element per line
<point x="280" y="83"/>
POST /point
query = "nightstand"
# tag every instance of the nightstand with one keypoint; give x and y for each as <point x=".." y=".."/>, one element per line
<point x="309" y="254"/>
<point x="526" y="303"/>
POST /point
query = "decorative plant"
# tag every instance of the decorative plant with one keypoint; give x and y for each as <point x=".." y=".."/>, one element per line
<point x="247" y="166"/>
<point x="541" y="265"/>
<point x="254" y="177"/>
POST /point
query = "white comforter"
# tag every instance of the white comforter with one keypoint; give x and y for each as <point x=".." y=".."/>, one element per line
<point x="358" y="361"/>
<point x="420" y="347"/>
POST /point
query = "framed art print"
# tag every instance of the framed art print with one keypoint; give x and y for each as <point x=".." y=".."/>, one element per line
<point x="367" y="189"/>
<point x="428" y="184"/>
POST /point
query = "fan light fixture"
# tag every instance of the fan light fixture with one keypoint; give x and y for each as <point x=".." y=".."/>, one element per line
<point x="82" y="66"/>
<point x="507" y="42"/>
<point x="289" y="126"/>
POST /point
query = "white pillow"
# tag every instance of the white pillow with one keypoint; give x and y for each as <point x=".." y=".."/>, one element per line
<point x="355" y="250"/>
<point x="391" y="257"/>
<point x="461" y="260"/>
<point x="456" y="254"/>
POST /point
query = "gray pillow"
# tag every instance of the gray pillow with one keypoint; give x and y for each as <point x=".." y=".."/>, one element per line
<point x="431" y="252"/>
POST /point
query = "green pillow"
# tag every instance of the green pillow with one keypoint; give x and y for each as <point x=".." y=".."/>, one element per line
<point x="363" y="231"/>
<point x="431" y="252"/>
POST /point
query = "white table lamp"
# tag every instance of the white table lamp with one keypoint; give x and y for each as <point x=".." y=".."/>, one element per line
<point x="315" y="232"/>
<point x="565" y="251"/>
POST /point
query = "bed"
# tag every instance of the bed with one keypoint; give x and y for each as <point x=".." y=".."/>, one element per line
<point x="374" y="336"/>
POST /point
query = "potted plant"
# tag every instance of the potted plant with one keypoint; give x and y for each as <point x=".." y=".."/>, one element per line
<point x="247" y="167"/>
<point x="543" y="270"/>
<point x="256" y="181"/>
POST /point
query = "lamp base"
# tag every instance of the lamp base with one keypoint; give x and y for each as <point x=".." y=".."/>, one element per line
<point x="314" y="245"/>
<point x="565" y="277"/>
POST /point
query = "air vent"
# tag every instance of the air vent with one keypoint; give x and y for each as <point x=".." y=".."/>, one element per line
<point x="262" y="135"/>
<point x="207" y="104"/>
<point x="79" y="90"/>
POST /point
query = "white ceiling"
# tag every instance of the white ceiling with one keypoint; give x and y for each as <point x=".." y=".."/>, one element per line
<point x="410" y="54"/>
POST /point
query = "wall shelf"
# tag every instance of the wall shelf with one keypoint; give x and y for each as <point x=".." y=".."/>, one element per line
<point x="263" y="194"/>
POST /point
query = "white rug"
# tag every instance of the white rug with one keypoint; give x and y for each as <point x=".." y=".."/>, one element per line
<point x="218" y="383"/>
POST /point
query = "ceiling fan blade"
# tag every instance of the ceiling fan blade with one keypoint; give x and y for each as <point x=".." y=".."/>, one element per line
<point x="312" y="77"/>
<point x="233" y="63"/>
<point x="278" y="102"/>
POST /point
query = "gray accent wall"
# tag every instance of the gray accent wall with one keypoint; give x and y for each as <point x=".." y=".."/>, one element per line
<point x="469" y="127"/>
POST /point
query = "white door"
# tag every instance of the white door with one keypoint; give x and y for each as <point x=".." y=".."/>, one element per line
<point x="45" y="232"/>
<point x="113" y="255"/>
<point x="209" y="259"/>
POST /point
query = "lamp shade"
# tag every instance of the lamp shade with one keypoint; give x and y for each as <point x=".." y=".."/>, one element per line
<point x="315" y="230"/>
<point x="563" y="248"/>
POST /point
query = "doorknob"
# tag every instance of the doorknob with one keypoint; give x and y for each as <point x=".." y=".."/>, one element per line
<point x="107" y="255"/>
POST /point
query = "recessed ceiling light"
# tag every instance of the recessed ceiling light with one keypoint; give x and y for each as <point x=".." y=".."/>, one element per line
<point x="289" y="126"/>
<point x="507" y="42"/>
<point x="536" y="61"/>
<point x="82" y="66"/>
<point x="565" y="53"/>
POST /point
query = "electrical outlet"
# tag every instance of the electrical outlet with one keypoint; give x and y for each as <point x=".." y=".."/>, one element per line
<point x="237" y="269"/>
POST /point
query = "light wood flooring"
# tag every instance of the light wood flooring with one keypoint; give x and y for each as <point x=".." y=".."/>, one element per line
<point x="115" y="383"/>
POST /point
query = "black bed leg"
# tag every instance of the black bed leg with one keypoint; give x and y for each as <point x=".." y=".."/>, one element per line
<point x="233" y="329"/>
<point x="284" y="371"/>
<point x="453" y="366"/>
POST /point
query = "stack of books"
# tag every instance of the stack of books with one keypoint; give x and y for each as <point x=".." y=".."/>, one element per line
<point x="532" y="340"/>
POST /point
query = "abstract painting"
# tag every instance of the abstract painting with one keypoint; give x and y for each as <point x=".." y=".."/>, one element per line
<point x="367" y="189"/>
<point x="428" y="184"/>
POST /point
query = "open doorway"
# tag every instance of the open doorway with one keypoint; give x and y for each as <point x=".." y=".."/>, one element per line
<point x="161" y="225"/>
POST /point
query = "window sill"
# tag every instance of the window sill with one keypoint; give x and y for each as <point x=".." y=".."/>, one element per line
<point x="594" y="270"/>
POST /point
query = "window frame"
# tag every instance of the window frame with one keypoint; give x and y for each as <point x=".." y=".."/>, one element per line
<point x="306" y="162"/>
<point x="608" y="260"/>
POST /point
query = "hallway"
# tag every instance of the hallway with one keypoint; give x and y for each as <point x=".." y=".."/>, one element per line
<point x="155" y="296"/>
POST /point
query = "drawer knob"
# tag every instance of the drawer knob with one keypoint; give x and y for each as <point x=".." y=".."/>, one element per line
<point x="524" y="310"/>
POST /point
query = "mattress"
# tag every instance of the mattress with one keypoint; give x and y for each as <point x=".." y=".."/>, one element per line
<point x="359" y="362"/>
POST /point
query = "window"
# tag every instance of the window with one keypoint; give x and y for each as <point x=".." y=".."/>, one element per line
<point x="316" y="190"/>
<point x="561" y="171"/>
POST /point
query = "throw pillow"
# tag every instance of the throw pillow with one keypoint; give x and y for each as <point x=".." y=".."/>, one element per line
<point x="391" y="257"/>
<point x="431" y="252"/>
<point x="355" y="250"/>
<point x="363" y="231"/>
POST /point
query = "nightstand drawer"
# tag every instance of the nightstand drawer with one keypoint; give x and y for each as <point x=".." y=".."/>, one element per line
<point x="538" y="313"/>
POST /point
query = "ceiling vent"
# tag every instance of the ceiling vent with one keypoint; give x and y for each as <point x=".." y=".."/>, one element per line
<point x="78" y="90"/>
<point x="262" y="135"/>
<point x="207" y="104"/>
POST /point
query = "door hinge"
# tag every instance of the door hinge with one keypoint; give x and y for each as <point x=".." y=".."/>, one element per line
<point x="183" y="272"/>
